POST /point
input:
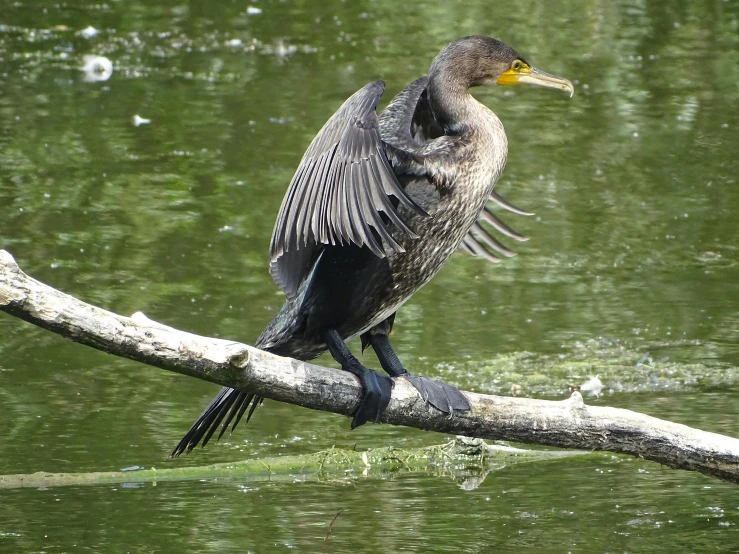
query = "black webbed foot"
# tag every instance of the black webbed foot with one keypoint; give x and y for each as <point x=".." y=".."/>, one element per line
<point x="376" y="388"/>
<point x="441" y="396"/>
<point x="376" y="392"/>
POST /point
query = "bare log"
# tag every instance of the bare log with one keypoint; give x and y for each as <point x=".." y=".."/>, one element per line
<point x="565" y="424"/>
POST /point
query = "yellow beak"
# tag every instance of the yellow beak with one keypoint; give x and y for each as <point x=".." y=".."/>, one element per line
<point x="531" y="76"/>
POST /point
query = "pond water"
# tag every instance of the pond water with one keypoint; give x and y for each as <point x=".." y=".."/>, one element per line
<point x="634" y="249"/>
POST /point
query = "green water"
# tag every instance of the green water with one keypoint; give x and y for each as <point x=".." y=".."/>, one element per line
<point x="635" y="239"/>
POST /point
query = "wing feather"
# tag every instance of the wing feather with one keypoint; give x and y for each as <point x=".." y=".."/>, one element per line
<point x="488" y="217"/>
<point x="483" y="237"/>
<point x="471" y="246"/>
<point x="340" y="187"/>
<point x="320" y="224"/>
<point x="479" y="238"/>
<point x="503" y="203"/>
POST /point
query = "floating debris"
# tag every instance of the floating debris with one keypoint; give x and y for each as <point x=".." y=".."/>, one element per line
<point x="97" y="68"/>
<point x="88" y="32"/>
<point x="133" y="468"/>
<point x="543" y="375"/>
<point x="251" y="10"/>
<point x="646" y="360"/>
<point x="280" y="49"/>
<point x="138" y="120"/>
<point x="593" y="386"/>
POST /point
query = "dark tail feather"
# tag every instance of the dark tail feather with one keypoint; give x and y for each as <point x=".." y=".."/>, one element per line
<point x="229" y="401"/>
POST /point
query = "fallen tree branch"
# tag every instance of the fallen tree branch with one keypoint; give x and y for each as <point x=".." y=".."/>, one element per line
<point x="466" y="460"/>
<point x="565" y="424"/>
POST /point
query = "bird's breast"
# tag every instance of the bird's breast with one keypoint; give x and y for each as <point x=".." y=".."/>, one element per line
<point x="454" y="208"/>
<point x="452" y="211"/>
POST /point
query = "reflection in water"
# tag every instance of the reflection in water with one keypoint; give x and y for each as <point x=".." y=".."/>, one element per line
<point x="634" y="238"/>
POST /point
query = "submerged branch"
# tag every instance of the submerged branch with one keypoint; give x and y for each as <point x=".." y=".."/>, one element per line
<point x="566" y="424"/>
<point x="467" y="460"/>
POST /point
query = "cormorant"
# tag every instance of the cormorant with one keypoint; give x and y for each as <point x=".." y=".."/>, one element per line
<point x="376" y="206"/>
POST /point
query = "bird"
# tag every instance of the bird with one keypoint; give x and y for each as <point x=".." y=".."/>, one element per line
<point x="376" y="207"/>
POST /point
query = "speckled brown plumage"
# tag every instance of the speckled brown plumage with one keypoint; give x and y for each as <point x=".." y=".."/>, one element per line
<point x="376" y="207"/>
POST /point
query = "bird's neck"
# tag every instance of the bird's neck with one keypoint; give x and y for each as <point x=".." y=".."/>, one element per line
<point x="453" y="106"/>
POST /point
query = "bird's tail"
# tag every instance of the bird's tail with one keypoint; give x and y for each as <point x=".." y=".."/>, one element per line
<point x="230" y="404"/>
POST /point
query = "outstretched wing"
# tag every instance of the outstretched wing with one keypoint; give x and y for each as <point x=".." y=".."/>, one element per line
<point x="340" y="194"/>
<point x="479" y="240"/>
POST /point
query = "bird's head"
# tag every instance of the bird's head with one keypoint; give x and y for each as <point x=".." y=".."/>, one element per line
<point x="475" y="61"/>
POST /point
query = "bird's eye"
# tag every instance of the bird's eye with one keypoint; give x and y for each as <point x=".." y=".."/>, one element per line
<point x="516" y="65"/>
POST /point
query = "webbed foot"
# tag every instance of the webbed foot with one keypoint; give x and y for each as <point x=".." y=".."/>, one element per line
<point x="376" y="392"/>
<point x="441" y="396"/>
<point x="376" y="388"/>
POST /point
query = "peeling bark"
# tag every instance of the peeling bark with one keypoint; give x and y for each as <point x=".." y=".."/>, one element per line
<point x="565" y="424"/>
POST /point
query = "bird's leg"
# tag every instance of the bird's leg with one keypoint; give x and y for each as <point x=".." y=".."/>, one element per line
<point x="441" y="396"/>
<point x="376" y="388"/>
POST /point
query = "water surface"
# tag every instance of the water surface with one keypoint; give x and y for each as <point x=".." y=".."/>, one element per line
<point x="633" y="249"/>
